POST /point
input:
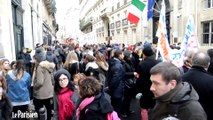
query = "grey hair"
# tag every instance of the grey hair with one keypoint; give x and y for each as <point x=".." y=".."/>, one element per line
<point x="201" y="59"/>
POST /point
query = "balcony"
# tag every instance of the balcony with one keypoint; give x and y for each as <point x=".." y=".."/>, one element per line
<point x="50" y="5"/>
<point x="104" y="13"/>
<point x="84" y="25"/>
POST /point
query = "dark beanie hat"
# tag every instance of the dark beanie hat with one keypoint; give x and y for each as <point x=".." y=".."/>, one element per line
<point x="127" y="53"/>
<point x="61" y="71"/>
<point x="148" y="51"/>
<point x="40" y="54"/>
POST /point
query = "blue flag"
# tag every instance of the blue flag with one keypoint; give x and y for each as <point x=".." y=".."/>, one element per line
<point x="150" y="8"/>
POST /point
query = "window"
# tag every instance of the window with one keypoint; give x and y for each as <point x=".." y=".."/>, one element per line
<point x="112" y="8"/>
<point x="112" y="32"/>
<point x="118" y="5"/>
<point x="208" y="32"/>
<point x="125" y="13"/>
<point x="118" y="16"/>
<point x="179" y="4"/>
<point x="125" y="1"/>
<point x="208" y="3"/>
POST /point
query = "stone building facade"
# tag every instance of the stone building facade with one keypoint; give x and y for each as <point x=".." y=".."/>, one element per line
<point x="23" y="23"/>
<point x="107" y="19"/>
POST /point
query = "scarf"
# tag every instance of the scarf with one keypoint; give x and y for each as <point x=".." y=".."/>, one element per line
<point x="83" y="104"/>
<point x="65" y="106"/>
<point x="187" y="64"/>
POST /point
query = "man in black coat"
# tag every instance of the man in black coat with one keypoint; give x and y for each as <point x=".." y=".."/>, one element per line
<point x="143" y="84"/>
<point x="202" y="81"/>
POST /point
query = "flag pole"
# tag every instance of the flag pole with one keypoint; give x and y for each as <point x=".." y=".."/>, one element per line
<point x="157" y="5"/>
<point x="156" y="10"/>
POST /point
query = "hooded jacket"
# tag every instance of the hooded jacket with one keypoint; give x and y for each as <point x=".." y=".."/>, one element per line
<point x="181" y="103"/>
<point x="43" y="82"/>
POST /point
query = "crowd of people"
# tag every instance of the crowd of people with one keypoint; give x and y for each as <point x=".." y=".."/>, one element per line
<point x="99" y="82"/>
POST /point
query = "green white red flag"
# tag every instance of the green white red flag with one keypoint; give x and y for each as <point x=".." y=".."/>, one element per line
<point x="135" y="11"/>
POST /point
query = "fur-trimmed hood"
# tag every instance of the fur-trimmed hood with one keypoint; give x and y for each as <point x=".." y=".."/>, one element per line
<point x="48" y="65"/>
<point x="92" y="65"/>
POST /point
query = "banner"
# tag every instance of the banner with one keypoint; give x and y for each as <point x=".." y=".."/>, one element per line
<point x="163" y="45"/>
<point x="190" y="40"/>
<point x="189" y="43"/>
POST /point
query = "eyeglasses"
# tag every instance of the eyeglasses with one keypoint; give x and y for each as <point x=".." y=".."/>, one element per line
<point x="63" y="79"/>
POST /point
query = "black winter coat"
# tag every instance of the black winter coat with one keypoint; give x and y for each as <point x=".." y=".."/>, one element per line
<point x="202" y="82"/>
<point x="97" y="110"/>
<point x="5" y="109"/>
<point x="116" y="77"/>
<point x="129" y="69"/>
<point x="144" y="83"/>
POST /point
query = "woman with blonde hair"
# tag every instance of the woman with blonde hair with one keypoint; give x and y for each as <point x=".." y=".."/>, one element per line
<point x="100" y="60"/>
<point x="71" y="64"/>
<point x="4" y="66"/>
<point x="18" y="82"/>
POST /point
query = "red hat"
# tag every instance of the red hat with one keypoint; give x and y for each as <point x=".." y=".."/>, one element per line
<point x="130" y="48"/>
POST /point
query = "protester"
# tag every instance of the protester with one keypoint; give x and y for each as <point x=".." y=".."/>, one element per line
<point x="23" y="55"/>
<point x="72" y="64"/>
<point x="4" y="66"/>
<point x="93" y="105"/>
<point x="174" y="99"/>
<point x="19" y="82"/>
<point x="147" y="101"/>
<point x="187" y="63"/>
<point x="202" y="81"/>
<point x="130" y="82"/>
<point x="43" y="83"/>
<point x="116" y="78"/>
<point x="13" y="65"/>
<point x="65" y="96"/>
<point x="210" y="53"/>
<point x="51" y="57"/>
<point x="101" y="61"/>
<point x="5" y="104"/>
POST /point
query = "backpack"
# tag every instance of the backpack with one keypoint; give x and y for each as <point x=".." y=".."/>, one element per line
<point x="112" y="116"/>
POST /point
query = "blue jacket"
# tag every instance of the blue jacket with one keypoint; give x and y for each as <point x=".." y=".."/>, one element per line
<point x="18" y="90"/>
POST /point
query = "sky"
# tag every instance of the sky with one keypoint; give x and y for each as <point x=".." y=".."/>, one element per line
<point x="66" y="16"/>
<point x="62" y="6"/>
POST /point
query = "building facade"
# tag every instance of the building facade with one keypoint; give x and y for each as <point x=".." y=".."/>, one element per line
<point x="23" y="23"/>
<point x="7" y="45"/>
<point x="107" y="19"/>
<point x="49" y="25"/>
